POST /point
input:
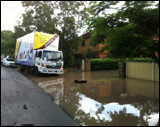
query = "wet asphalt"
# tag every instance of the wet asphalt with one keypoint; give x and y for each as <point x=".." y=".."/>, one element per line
<point x="24" y="103"/>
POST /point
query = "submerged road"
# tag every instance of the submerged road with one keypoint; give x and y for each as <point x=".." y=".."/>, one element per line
<point x="23" y="102"/>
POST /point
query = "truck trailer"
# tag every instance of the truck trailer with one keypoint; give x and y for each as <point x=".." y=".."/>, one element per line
<point x="39" y="51"/>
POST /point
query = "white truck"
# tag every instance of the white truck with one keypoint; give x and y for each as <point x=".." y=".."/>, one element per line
<point x="39" y="51"/>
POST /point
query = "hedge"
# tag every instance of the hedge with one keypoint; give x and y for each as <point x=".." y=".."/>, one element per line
<point x="140" y="60"/>
<point x="104" y="64"/>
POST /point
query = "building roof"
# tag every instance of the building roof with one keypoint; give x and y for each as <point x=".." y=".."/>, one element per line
<point x="87" y="35"/>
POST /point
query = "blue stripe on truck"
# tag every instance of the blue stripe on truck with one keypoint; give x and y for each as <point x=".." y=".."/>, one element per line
<point x="28" y="62"/>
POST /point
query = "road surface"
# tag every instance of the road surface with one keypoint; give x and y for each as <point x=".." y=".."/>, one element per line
<point x="23" y="102"/>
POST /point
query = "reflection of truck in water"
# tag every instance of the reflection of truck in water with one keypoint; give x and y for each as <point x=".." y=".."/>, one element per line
<point x="54" y="88"/>
<point x="39" y="51"/>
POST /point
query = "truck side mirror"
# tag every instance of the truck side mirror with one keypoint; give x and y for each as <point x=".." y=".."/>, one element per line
<point x="40" y="54"/>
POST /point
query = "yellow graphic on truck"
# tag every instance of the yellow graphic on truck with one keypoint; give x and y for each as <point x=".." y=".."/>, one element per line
<point x="42" y="40"/>
<point x="17" y="47"/>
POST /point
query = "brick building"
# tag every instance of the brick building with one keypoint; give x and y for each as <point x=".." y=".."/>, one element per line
<point x="84" y="47"/>
<point x="156" y="38"/>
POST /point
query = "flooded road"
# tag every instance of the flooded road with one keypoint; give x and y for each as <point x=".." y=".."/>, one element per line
<point x="105" y="100"/>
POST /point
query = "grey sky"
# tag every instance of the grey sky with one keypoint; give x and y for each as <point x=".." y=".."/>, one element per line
<point x="10" y="12"/>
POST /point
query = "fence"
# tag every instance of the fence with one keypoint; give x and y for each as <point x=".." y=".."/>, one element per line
<point x="142" y="70"/>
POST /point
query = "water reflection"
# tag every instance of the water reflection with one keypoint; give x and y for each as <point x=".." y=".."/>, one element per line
<point x="54" y="88"/>
<point x="115" y="113"/>
<point x="143" y="87"/>
<point x="106" y="99"/>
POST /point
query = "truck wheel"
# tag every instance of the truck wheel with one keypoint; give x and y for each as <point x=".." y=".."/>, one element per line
<point x="37" y="72"/>
<point x="21" y="68"/>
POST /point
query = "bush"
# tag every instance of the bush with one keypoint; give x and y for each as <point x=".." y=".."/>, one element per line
<point x="80" y="56"/>
<point x="140" y="59"/>
<point x="104" y="64"/>
<point x="78" y="59"/>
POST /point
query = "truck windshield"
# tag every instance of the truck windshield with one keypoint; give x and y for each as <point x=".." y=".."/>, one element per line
<point x="52" y="56"/>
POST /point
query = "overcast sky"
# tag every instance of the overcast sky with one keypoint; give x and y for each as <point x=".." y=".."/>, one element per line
<point x="10" y="12"/>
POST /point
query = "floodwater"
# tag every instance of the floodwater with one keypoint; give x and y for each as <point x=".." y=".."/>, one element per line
<point x="105" y="100"/>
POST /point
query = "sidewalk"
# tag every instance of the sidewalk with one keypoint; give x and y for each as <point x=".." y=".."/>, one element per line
<point x="23" y="102"/>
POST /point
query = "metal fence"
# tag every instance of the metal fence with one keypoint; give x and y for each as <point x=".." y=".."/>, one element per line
<point x="142" y="70"/>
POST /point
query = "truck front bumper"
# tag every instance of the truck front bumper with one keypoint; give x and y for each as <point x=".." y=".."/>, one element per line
<point x="50" y="71"/>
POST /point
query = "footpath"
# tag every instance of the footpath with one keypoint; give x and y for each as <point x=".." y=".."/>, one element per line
<point x="24" y="103"/>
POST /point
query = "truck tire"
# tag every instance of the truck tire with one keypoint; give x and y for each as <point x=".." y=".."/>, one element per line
<point x="37" y="72"/>
<point x="21" y="67"/>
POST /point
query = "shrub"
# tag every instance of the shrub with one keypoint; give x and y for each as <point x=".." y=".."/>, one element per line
<point x="140" y="59"/>
<point x="78" y="59"/>
<point x="104" y="64"/>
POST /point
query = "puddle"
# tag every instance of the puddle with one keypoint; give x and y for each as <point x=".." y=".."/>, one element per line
<point x="105" y="100"/>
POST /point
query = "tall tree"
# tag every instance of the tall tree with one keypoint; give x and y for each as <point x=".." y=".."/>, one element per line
<point x="38" y="16"/>
<point x="70" y="19"/>
<point x="7" y="42"/>
<point x="130" y="32"/>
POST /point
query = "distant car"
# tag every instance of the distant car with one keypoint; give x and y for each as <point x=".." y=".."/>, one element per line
<point x="2" y="60"/>
<point x="9" y="62"/>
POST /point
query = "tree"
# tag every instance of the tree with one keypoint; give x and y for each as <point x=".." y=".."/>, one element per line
<point x="7" y="42"/>
<point x="129" y="32"/>
<point x="70" y="19"/>
<point x="38" y="16"/>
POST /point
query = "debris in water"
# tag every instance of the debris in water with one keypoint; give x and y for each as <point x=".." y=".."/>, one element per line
<point x="25" y="106"/>
<point x="80" y="81"/>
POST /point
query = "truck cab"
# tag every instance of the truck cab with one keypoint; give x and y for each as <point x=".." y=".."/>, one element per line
<point x="49" y="62"/>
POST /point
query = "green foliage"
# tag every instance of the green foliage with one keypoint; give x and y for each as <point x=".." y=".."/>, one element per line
<point x="101" y="6"/>
<point x="38" y="16"/>
<point x="78" y="59"/>
<point x="81" y="56"/>
<point x="129" y="31"/>
<point x="90" y="54"/>
<point x="69" y="40"/>
<point x="7" y="42"/>
<point x="140" y="60"/>
<point x="104" y="64"/>
<point x="77" y="63"/>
